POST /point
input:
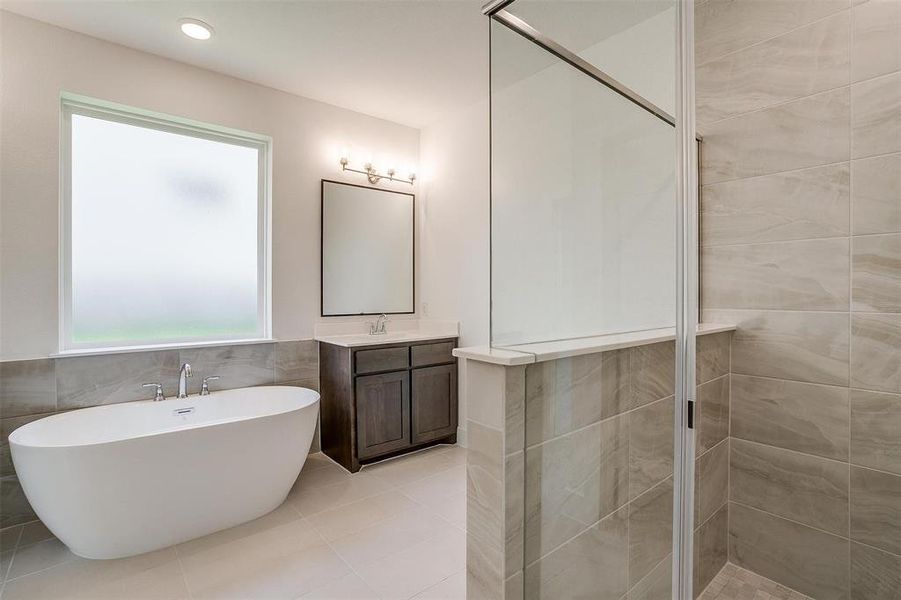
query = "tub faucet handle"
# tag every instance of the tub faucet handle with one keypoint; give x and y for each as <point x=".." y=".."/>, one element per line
<point x="205" y="388"/>
<point x="159" y="390"/>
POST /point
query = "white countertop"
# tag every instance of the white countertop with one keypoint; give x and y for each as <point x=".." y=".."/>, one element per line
<point x="354" y="334"/>
<point x="364" y="339"/>
<point x="523" y="354"/>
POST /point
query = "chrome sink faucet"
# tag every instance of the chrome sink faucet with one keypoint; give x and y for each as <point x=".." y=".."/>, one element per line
<point x="378" y="328"/>
<point x="183" y="380"/>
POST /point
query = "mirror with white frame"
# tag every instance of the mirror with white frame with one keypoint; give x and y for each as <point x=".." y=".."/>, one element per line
<point x="367" y="250"/>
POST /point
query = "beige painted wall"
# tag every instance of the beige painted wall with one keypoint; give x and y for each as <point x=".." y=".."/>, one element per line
<point x="38" y="61"/>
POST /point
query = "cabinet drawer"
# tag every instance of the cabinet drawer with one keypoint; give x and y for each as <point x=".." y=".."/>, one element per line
<point x="432" y="354"/>
<point x="381" y="359"/>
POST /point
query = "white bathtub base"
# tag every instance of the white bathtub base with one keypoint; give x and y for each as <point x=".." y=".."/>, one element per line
<point x="122" y="497"/>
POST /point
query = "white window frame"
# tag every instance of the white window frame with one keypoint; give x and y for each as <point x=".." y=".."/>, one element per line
<point x="73" y="104"/>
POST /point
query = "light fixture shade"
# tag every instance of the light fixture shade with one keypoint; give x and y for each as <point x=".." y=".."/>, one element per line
<point x="196" y="29"/>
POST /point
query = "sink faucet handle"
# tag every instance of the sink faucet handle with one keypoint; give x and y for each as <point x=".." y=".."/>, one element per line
<point x="159" y="390"/>
<point x="205" y="388"/>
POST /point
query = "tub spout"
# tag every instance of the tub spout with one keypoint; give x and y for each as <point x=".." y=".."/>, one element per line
<point x="183" y="380"/>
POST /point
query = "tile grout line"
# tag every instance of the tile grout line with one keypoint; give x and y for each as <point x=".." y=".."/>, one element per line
<point x="828" y="385"/>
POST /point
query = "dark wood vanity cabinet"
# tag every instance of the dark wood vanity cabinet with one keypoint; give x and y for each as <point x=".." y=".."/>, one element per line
<point x="379" y="401"/>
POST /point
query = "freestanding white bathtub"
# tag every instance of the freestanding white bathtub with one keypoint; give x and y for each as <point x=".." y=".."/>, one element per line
<point x="119" y="480"/>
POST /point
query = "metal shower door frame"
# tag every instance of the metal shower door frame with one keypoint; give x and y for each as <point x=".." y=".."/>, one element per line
<point x="686" y="157"/>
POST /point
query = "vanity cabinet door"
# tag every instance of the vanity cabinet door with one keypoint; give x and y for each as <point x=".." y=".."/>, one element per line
<point x="383" y="413"/>
<point x="434" y="403"/>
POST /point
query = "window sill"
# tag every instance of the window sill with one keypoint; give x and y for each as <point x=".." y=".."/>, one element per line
<point x="153" y="347"/>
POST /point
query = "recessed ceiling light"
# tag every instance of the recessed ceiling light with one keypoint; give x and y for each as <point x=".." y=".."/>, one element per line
<point x="196" y="29"/>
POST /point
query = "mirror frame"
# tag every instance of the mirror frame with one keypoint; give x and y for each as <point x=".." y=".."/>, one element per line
<point x="322" y="249"/>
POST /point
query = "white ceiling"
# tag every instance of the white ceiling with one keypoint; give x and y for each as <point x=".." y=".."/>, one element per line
<point x="408" y="61"/>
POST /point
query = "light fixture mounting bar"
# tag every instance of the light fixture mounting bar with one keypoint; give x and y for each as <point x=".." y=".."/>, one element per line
<point x="374" y="176"/>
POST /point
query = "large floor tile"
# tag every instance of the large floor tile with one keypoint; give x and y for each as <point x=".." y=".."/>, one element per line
<point x="317" y="499"/>
<point x="411" y="467"/>
<point x="353" y="517"/>
<point x="349" y="587"/>
<point x="6" y="557"/>
<point x="798" y="416"/>
<point x="800" y="487"/>
<point x="155" y="575"/>
<point x="37" y="557"/>
<point x="386" y="537"/>
<point x="442" y="485"/>
<point x="417" y="568"/>
<point x="278" y="557"/>
<point x="452" y="588"/>
<point x="805" y="559"/>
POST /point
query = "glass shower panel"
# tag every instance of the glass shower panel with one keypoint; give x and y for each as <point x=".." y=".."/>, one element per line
<point x="629" y="40"/>
<point x="583" y="210"/>
<point x="584" y="222"/>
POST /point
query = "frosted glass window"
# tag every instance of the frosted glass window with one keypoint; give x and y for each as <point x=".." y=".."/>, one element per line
<point x="166" y="239"/>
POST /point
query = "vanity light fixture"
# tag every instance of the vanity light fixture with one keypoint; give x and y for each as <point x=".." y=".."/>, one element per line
<point x="374" y="177"/>
<point x="196" y="29"/>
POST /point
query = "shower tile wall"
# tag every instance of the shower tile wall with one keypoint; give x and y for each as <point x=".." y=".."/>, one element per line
<point x="31" y="389"/>
<point x="799" y="102"/>
<point x="599" y="465"/>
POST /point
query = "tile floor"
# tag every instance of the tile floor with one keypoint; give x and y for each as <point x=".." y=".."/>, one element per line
<point x="735" y="583"/>
<point x="395" y="530"/>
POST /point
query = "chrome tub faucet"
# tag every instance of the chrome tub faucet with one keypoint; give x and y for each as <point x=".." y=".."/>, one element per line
<point x="183" y="380"/>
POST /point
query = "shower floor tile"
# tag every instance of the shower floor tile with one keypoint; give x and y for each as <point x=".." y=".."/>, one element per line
<point x="735" y="583"/>
<point x="394" y="530"/>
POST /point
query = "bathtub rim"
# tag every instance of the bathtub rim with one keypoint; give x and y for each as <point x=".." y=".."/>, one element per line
<point x="307" y="400"/>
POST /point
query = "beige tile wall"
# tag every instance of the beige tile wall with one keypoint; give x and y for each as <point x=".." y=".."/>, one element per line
<point x="31" y="389"/>
<point x="598" y="472"/>
<point x="799" y="102"/>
